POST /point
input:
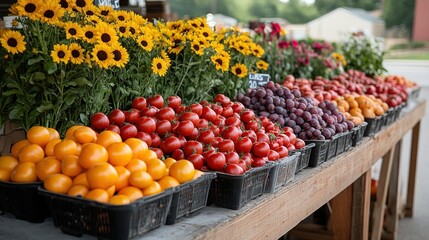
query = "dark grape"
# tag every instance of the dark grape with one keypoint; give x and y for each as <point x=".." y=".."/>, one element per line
<point x="276" y="100"/>
<point x="281" y="120"/>
<point x="313" y="110"/>
<point x="309" y="134"/>
<point x="289" y="96"/>
<point x="291" y="123"/>
<point x="261" y="92"/>
<point x="306" y="116"/>
<point x="322" y="105"/>
<point x="293" y="116"/>
<point x="254" y="100"/>
<point x="257" y="105"/>
<point x="279" y="110"/>
<point x="302" y="135"/>
<point x="280" y="92"/>
<point x="289" y="104"/>
<point x="338" y="128"/>
<point x="299" y="121"/>
<point x="269" y="92"/>
<point x="269" y="100"/>
<point x="326" y="133"/>
<point x="240" y="96"/>
<point x="299" y="112"/>
<point x="297" y="129"/>
<point x="265" y="114"/>
<point x="273" y="117"/>
<point x="262" y="108"/>
<point x="296" y="93"/>
<point x="350" y="124"/>
<point x="306" y="126"/>
<point x="317" y="133"/>
<point x="270" y="108"/>
<point x="321" y="137"/>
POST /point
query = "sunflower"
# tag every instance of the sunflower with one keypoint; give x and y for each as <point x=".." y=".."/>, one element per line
<point x="76" y="53"/>
<point x="217" y="46"/>
<point x="120" y="55"/>
<point x="206" y="33"/>
<point x="242" y="47"/>
<point x="239" y="70"/>
<point x="102" y="55"/>
<point x="145" y="42"/>
<point x="121" y="29"/>
<point x="338" y="57"/>
<point x="90" y="10"/>
<point x="177" y="44"/>
<point x="166" y="58"/>
<point x="67" y="4"/>
<point x="121" y="15"/>
<point x="60" y="53"/>
<point x="159" y="66"/>
<point x="80" y="4"/>
<point x="262" y="65"/>
<point x="138" y="19"/>
<point x="73" y="30"/>
<point x="220" y="62"/>
<point x="106" y="34"/>
<point x="133" y="29"/>
<point x="88" y="34"/>
<point x="197" y="47"/>
<point x="29" y="8"/>
<point x="257" y="50"/>
<point x="13" y="10"/>
<point x="94" y="19"/>
<point x="175" y="25"/>
<point x="105" y="11"/>
<point x="13" y="42"/>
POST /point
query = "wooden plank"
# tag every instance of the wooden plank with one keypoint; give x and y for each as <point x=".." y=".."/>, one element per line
<point x="379" y="206"/>
<point x="310" y="231"/>
<point x="361" y="207"/>
<point x="409" y="205"/>
<point x="393" y="198"/>
<point x="341" y="216"/>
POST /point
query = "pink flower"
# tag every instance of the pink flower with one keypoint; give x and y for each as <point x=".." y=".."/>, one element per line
<point x="283" y="44"/>
<point x="294" y="43"/>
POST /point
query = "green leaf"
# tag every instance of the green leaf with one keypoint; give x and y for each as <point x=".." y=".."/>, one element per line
<point x="45" y="107"/>
<point x="69" y="99"/>
<point x="70" y="83"/>
<point x="84" y="118"/>
<point x="190" y="90"/>
<point x="38" y="76"/>
<point x="50" y="67"/>
<point x="34" y="60"/>
<point x="16" y="113"/>
<point x="10" y="93"/>
<point x="82" y="81"/>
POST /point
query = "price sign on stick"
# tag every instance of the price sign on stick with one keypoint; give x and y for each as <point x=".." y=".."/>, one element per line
<point x="113" y="3"/>
<point x="258" y="79"/>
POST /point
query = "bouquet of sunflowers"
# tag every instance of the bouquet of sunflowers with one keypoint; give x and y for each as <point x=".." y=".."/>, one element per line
<point x="72" y="59"/>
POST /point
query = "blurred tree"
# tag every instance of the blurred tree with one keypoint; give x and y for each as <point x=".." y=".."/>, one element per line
<point x="325" y="6"/>
<point x="399" y="13"/>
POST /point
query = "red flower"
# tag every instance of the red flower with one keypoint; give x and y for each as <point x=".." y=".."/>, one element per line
<point x="283" y="44"/>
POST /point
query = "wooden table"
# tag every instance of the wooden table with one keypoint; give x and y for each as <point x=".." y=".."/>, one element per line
<point x="343" y="181"/>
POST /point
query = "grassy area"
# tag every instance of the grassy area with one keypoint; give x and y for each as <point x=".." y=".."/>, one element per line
<point x="409" y="56"/>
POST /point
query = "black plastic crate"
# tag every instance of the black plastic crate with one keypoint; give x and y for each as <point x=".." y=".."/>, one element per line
<point x="304" y="158"/>
<point x="344" y="142"/>
<point x="234" y="191"/>
<point x="373" y="125"/>
<point x="332" y="150"/>
<point x="349" y="140"/>
<point x="413" y="93"/>
<point x="190" y="197"/>
<point x="358" y="134"/>
<point x="319" y="152"/>
<point x="76" y="216"/>
<point x="390" y="116"/>
<point x="282" y="172"/>
<point x="23" y="201"/>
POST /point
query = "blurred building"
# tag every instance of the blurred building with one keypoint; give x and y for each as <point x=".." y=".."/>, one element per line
<point x="421" y="20"/>
<point x="337" y="24"/>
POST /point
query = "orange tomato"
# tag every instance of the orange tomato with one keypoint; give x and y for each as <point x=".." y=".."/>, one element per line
<point x="65" y="148"/>
<point x="92" y="154"/>
<point x="49" y="148"/>
<point x="70" y="166"/>
<point x="78" y="190"/>
<point x="168" y="182"/>
<point x="102" y="176"/>
<point x="99" y="195"/>
<point x="154" y="188"/>
<point x="58" y="183"/>
<point x="47" y="167"/>
<point x="31" y="153"/>
<point x="38" y="135"/>
<point x="140" y="179"/>
<point x="4" y="175"/>
<point x="78" y="149"/>
<point x="85" y="135"/>
<point x="136" y="164"/>
<point x="8" y="163"/>
<point x="156" y="168"/>
<point x="133" y="193"/>
<point x="148" y="155"/>
<point x="70" y="132"/>
<point x="18" y="146"/>
<point x="169" y="161"/>
<point x="106" y="138"/>
<point x="182" y="170"/>
<point x="138" y="147"/>
<point x="197" y="174"/>
<point x="80" y="180"/>
<point x="123" y="176"/>
<point x="53" y="134"/>
<point x="119" y="199"/>
<point x="120" y="154"/>
<point x="111" y="190"/>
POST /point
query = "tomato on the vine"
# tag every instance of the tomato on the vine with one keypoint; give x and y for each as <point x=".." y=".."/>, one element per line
<point x="99" y="121"/>
<point x="192" y="147"/>
<point x="185" y="128"/>
<point x="170" y="144"/>
<point x="117" y="117"/>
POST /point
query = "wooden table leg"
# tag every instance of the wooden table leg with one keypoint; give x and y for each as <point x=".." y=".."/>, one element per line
<point x="409" y="205"/>
<point x="361" y="207"/>
<point x="393" y="198"/>
<point x="378" y="213"/>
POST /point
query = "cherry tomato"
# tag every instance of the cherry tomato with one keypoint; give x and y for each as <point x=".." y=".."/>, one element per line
<point x="139" y="103"/>
<point x="166" y="113"/>
<point x="232" y="133"/>
<point x="156" y="140"/>
<point x="206" y="136"/>
<point x="174" y="102"/>
<point x="232" y="157"/>
<point x="197" y="160"/>
<point x="208" y="114"/>
<point x="234" y="169"/>
<point x="226" y="145"/>
<point x="128" y="131"/>
<point x="145" y="137"/>
<point x="146" y="124"/>
<point x="193" y="117"/>
<point x="117" y="117"/>
<point x="163" y="127"/>
<point x="243" y="145"/>
<point x="156" y="101"/>
<point x="185" y="128"/>
<point x="192" y="147"/>
<point x="114" y="128"/>
<point x="170" y="144"/>
<point x="149" y="111"/>
<point x="99" y="121"/>
<point x="216" y="161"/>
<point x="132" y="115"/>
<point x="261" y="149"/>
<point x="233" y="121"/>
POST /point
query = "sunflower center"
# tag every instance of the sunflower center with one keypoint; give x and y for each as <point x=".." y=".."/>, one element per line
<point x="238" y="71"/>
<point x="104" y="12"/>
<point x="102" y="55"/>
<point x="143" y="43"/>
<point x="194" y="25"/>
<point x="49" y="14"/>
<point x="30" y="8"/>
<point x="75" y="53"/>
<point x="118" y="55"/>
<point x="219" y="61"/>
<point x="159" y="65"/>
<point x="196" y="47"/>
<point x="205" y="34"/>
<point x="11" y="42"/>
<point x="89" y="35"/>
<point x="176" y="43"/>
<point x="132" y="30"/>
<point x="61" y="54"/>
<point x="72" y="31"/>
<point x="105" y="37"/>
<point x="81" y="3"/>
<point x="122" y="29"/>
<point x="64" y="4"/>
<point x="89" y="13"/>
<point x="121" y="18"/>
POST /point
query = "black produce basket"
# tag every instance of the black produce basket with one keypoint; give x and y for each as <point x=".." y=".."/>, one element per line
<point x="234" y="191"/>
<point x="344" y="142"/>
<point x="190" y="197"/>
<point x="282" y="172"/>
<point x="76" y="216"/>
<point x="358" y="133"/>
<point x="373" y="126"/>
<point x="23" y="201"/>
<point x="304" y="158"/>
<point x="333" y="144"/>
<point x="390" y="116"/>
<point x="319" y="152"/>
<point x="413" y="93"/>
<point x="349" y="140"/>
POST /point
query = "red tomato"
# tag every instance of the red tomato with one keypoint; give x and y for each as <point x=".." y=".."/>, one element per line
<point x="156" y="101"/>
<point x="193" y="117"/>
<point x="149" y="111"/>
<point x="145" y="137"/>
<point x="250" y="134"/>
<point x="117" y="117"/>
<point x="252" y="125"/>
<point x="217" y="108"/>
<point x="247" y="158"/>
<point x="185" y="128"/>
<point x="220" y="98"/>
<point x="194" y="135"/>
<point x="146" y="124"/>
<point x="291" y="147"/>
<point x="156" y="140"/>
<point x="99" y="121"/>
<point x="132" y="115"/>
<point x="203" y="123"/>
<point x="243" y="165"/>
<point x="234" y="169"/>
<point x="273" y="155"/>
<point x="292" y="137"/>
<point x="177" y="154"/>
<point x="261" y="149"/>
<point x="286" y="140"/>
<point x="163" y="127"/>
<point x="216" y="161"/>
<point x="219" y="121"/>
<point x="299" y="143"/>
<point x="247" y="116"/>
<point x="215" y="129"/>
<point x="233" y="121"/>
<point x="208" y="114"/>
<point x="232" y="133"/>
<point x="170" y="144"/>
<point x="114" y="128"/>
<point x="262" y="137"/>
<point x="226" y="145"/>
<point x="139" y="103"/>
<point x="166" y="113"/>
<point x="192" y="147"/>
<point x="206" y="137"/>
<point x="232" y="157"/>
<point x="206" y="154"/>
<point x="174" y="102"/>
<point x="128" y="131"/>
<point x="197" y="160"/>
<point x="282" y="151"/>
<point x="243" y="145"/>
<point x="237" y="107"/>
<point x="259" y="161"/>
<point x="182" y="140"/>
<point x="227" y="112"/>
<point x="158" y="152"/>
